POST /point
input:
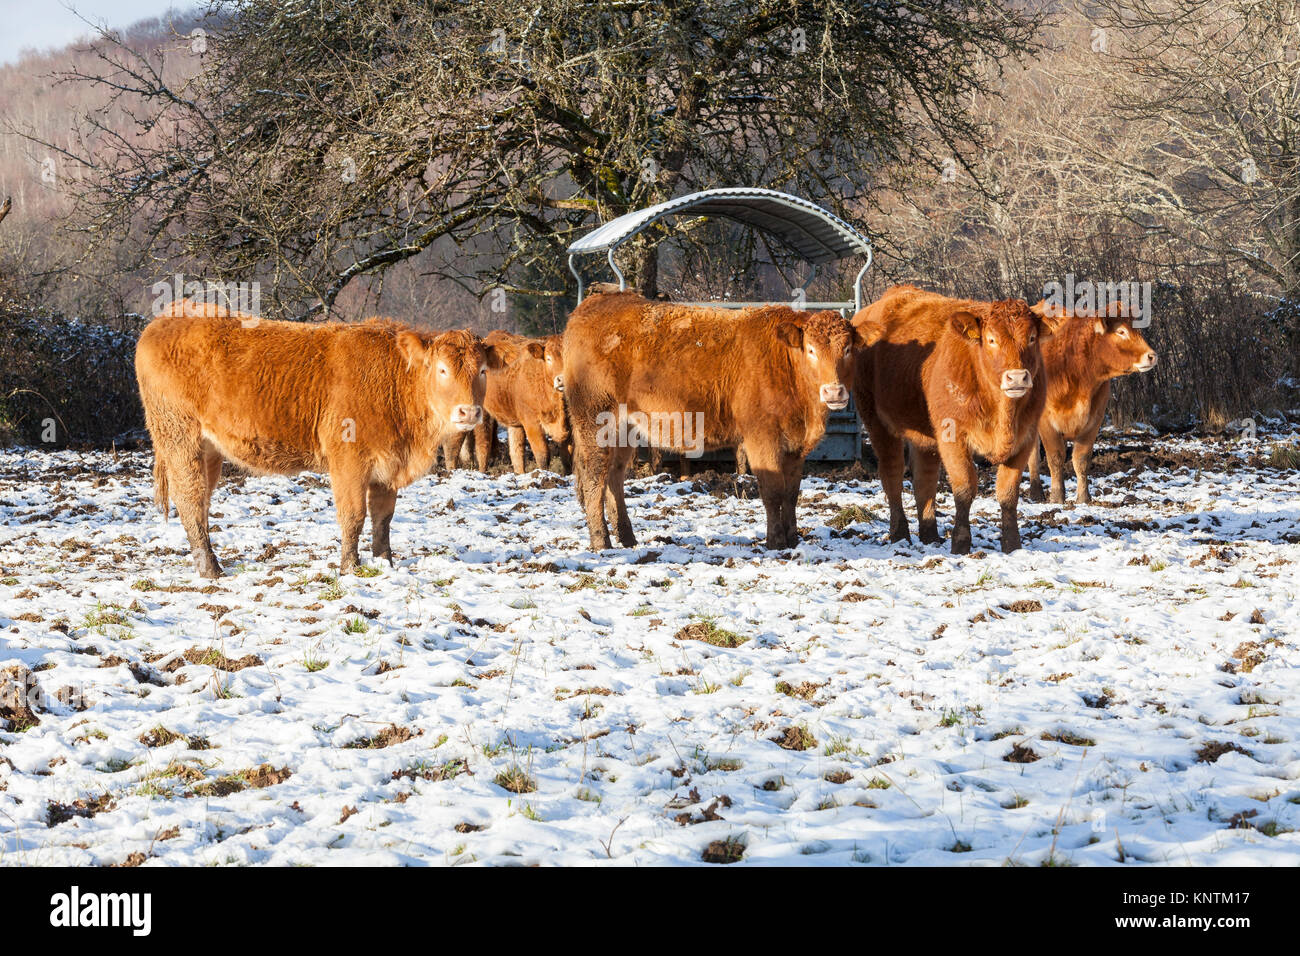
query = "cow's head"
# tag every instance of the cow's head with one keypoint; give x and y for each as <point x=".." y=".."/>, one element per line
<point x="452" y="368"/>
<point x="1003" y="342"/>
<point x="554" y="358"/>
<point x="1111" y="343"/>
<point x="824" y="342"/>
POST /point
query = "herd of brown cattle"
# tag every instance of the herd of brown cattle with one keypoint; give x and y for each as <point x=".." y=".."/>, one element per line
<point x="374" y="403"/>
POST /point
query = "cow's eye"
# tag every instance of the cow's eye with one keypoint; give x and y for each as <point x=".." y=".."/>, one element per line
<point x="482" y="371"/>
<point x="993" y="343"/>
<point x="442" y="370"/>
<point x="1033" y="339"/>
<point x="1122" y="332"/>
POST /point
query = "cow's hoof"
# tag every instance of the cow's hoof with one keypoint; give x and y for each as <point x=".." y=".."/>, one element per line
<point x="930" y="536"/>
<point x="1058" y="497"/>
<point x="899" y="534"/>
<point x="206" y="566"/>
<point x="961" y="543"/>
<point x="1036" y="492"/>
<point x="1010" y="543"/>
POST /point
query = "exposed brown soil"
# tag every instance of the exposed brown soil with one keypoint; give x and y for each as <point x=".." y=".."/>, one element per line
<point x="794" y="738"/>
<point x="56" y="813"/>
<point x="1211" y="751"/>
<point x="16" y="695"/>
<point x="1021" y="754"/>
<point x="730" y="850"/>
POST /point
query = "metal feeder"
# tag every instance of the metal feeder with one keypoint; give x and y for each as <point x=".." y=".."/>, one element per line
<point x="805" y="228"/>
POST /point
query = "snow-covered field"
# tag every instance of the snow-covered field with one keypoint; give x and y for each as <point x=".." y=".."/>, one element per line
<point x="1124" y="690"/>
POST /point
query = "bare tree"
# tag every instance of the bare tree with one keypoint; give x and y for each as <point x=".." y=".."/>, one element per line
<point x="1195" y="134"/>
<point x="325" y="141"/>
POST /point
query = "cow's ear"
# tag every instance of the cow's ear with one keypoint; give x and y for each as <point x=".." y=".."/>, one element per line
<point x="1050" y="318"/>
<point x="536" y="350"/>
<point x="791" y="333"/>
<point x="495" y="359"/>
<point x="859" y="340"/>
<point x="413" y="347"/>
<point x="967" y="323"/>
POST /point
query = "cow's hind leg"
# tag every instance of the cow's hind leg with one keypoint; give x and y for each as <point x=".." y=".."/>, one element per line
<point x="383" y="502"/>
<point x="350" y="505"/>
<point x="889" y="455"/>
<point x="187" y="483"/>
<point x="211" y="474"/>
<point x="925" y="486"/>
<point x="619" y="461"/>
<point x="591" y="466"/>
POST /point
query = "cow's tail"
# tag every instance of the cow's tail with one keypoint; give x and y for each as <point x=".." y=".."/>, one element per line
<point x="160" y="496"/>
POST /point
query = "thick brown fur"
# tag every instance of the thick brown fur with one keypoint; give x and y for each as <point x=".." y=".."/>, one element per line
<point x="748" y="373"/>
<point x="1086" y="353"/>
<point x="367" y="403"/>
<point x="932" y="376"/>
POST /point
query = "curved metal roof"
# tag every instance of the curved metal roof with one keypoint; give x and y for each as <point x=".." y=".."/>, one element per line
<point x="804" y="226"/>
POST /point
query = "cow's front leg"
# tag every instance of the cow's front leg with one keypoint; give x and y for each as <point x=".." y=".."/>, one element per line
<point x="383" y="502"/>
<point x="1082" y="460"/>
<point x="792" y="473"/>
<point x="515" y="438"/>
<point x="964" y="479"/>
<point x="350" y="505"/>
<point x="1008" y="492"/>
<point x="1035" y="474"/>
<point x="765" y="460"/>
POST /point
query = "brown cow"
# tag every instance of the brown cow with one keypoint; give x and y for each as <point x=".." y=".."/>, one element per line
<point x="1087" y="351"/>
<point x="522" y="396"/>
<point x="953" y="378"/>
<point x="693" y="379"/>
<point x="368" y="403"/>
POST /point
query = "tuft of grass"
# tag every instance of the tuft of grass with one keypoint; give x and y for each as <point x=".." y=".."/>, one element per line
<point x="707" y="630"/>
<point x="1068" y="737"/>
<point x="516" y="780"/>
<point x="355" y="625"/>
<point x="850" y="514"/>
<point x="1285" y="456"/>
